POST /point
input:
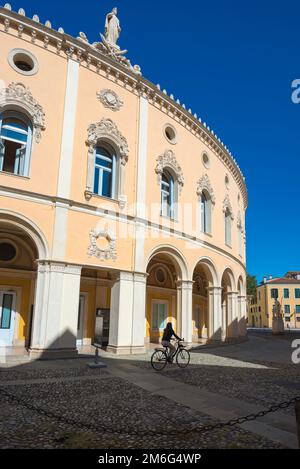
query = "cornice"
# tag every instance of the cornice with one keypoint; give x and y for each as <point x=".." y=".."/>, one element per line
<point x="88" y="56"/>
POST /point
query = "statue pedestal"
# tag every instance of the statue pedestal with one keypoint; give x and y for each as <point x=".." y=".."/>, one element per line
<point x="278" y="326"/>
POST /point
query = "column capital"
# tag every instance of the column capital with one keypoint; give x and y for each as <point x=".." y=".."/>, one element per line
<point x="185" y="284"/>
<point x="231" y="293"/>
<point x="130" y="276"/>
<point x="214" y="289"/>
<point x="58" y="267"/>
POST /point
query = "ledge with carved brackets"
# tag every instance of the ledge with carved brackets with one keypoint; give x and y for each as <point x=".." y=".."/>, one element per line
<point x="168" y="161"/>
<point x="103" y="253"/>
<point x="17" y="95"/>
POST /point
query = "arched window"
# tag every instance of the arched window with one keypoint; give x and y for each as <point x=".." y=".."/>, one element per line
<point x="105" y="172"/>
<point x="15" y="143"/>
<point x="205" y="204"/>
<point x="228" y="227"/>
<point x="167" y="195"/>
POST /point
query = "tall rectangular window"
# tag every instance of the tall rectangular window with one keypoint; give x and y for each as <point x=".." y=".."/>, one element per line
<point x="297" y="309"/>
<point x="159" y="316"/>
<point x="297" y="292"/>
<point x="105" y="173"/>
<point x="287" y="309"/>
<point x="286" y="293"/>
<point x="167" y="195"/>
<point x="274" y="293"/>
<point x="228" y="228"/>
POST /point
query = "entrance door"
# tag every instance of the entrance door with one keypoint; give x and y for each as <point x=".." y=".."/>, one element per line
<point x="80" y="321"/>
<point x="7" y="317"/>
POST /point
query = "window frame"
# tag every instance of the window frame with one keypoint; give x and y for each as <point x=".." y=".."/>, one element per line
<point x="114" y="170"/>
<point x="25" y="164"/>
<point x="170" y="213"/>
<point x="228" y="227"/>
<point x="155" y="326"/>
<point x="297" y="293"/>
<point x="205" y="213"/>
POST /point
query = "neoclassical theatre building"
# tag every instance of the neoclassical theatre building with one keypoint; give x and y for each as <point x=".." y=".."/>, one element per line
<point x="116" y="202"/>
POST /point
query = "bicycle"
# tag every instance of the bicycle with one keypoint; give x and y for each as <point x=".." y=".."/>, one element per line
<point x="161" y="357"/>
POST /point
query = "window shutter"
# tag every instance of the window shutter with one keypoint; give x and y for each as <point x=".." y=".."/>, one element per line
<point x="2" y="152"/>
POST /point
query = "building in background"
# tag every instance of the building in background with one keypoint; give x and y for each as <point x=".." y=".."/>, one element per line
<point x="116" y="202"/>
<point x="287" y="290"/>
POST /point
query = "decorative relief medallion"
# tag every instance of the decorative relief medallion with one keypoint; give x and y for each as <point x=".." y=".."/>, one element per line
<point x="107" y="130"/>
<point x="168" y="160"/>
<point x="110" y="99"/>
<point x="17" y="94"/>
<point x="110" y="252"/>
<point x="204" y="184"/>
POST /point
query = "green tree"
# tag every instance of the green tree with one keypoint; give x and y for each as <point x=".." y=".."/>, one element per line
<point x="251" y="284"/>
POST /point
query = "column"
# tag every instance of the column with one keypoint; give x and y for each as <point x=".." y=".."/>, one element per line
<point x="243" y="316"/>
<point x="232" y="329"/>
<point x="214" y="313"/>
<point x="127" y="316"/>
<point x="54" y="330"/>
<point x="185" y="310"/>
<point x="139" y="313"/>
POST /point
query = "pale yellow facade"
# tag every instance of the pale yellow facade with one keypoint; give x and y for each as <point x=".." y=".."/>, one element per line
<point x="287" y="291"/>
<point x="117" y="253"/>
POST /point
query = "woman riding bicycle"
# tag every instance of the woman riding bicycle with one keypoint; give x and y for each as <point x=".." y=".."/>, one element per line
<point x="167" y="336"/>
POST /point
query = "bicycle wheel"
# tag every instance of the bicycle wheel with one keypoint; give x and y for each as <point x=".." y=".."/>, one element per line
<point x="159" y="360"/>
<point x="183" y="358"/>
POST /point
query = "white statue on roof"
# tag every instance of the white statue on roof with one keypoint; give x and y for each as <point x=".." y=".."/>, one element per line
<point x="112" y="28"/>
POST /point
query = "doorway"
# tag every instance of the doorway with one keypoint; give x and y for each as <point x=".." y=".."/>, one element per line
<point x="80" y="325"/>
<point x="7" y="317"/>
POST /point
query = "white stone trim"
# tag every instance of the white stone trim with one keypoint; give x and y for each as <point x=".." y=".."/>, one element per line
<point x="67" y="142"/>
<point x="60" y="231"/>
<point x="142" y="157"/>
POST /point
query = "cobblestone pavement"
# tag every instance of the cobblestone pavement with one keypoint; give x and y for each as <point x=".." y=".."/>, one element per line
<point x="94" y="398"/>
<point x="128" y="414"/>
<point x="251" y="379"/>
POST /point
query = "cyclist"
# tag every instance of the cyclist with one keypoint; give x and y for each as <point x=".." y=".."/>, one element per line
<point x="167" y="336"/>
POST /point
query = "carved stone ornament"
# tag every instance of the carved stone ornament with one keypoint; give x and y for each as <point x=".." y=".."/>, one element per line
<point x="110" y="99"/>
<point x="239" y="222"/>
<point x="204" y="184"/>
<point x="168" y="160"/>
<point x="227" y="206"/>
<point x="103" y="254"/>
<point x="107" y="130"/>
<point x="17" y="94"/>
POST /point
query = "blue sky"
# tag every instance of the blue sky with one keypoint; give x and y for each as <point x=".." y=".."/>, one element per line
<point x="233" y="63"/>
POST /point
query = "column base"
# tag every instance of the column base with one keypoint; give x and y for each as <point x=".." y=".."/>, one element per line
<point x="126" y="350"/>
<point x="55" y="354"/>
